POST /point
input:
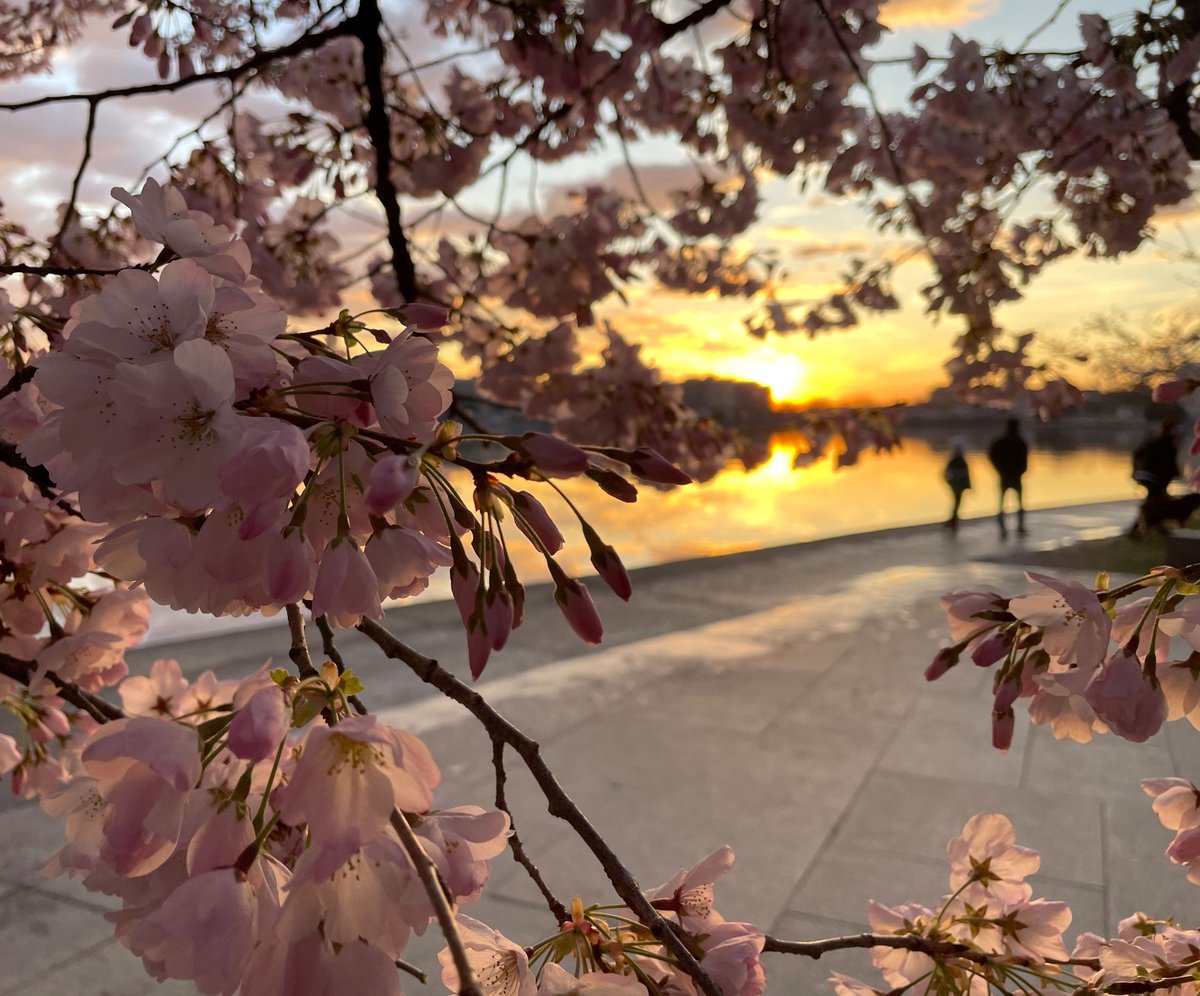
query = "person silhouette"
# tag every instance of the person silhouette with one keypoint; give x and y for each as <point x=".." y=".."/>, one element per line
<point x="958" y="477"/>
<point x="1009" y="455"/>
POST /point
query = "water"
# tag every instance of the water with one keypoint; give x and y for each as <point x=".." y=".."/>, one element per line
<point x="775" y="505"/>
<point x="771" y="506"/>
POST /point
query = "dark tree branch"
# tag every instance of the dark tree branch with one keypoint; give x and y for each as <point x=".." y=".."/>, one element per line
<point x="369" y="27"/>
<point x="904" y="942"/>
<point x="560" y="804"/>
<point x="557" y="909"/>
<point x="692" y="18"/>
<point x="299" y="649"/>
<point x="427" y="872"/>
<point x="99" y="709"/>
<point x="305" y="43"/>
<point x="39" y="476"/>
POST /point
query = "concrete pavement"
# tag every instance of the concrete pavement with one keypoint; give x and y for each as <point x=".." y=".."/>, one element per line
<point x="772" y="701"/>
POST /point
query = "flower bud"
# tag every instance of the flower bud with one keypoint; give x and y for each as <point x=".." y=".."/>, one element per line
<point x="577" y="607"/>
<point x="1003" y="725"/>
<point x="535" y="522"/>
<point x="946" y="658"/>
<point x="392" y="480"/>
<point x="552" y="456"/>
<point x="650" y="465"/>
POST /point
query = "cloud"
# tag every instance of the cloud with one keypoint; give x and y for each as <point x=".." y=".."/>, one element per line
<point x="934" y="13"/>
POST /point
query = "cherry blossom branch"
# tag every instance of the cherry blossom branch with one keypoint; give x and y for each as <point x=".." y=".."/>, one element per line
<point x="22" y="671"/>
<point x="304" y="43"/>
<point x="692" y="18"/>
<point x="427" y="872"/>
<point x="299" y="649"/>
<point x="38" y="476"/>
<point x="59" y="271"/>
<point x="905" y="942"/>
<point x="1138" y="986"/>
<point x="560" y="804"/>
<point x="71" y="210"/>
<point x="557" y="909"/>
<point x="369" y="25"/>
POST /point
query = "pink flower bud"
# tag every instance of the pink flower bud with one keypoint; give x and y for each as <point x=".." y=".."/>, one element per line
<point x="423" y="316"/>
<point x="347" y="588"/>
<point x="535" y="521"/>
<point x="577" y="607"/>
<point x="991" y="649"/>
<point x="291" y="569"/>
<point x="552" y="456"/>
<point x="1003" y="725"/>
<point x="945" y="659"/>
<point x="1006" y="695"/>
<point x="479" y="649"/>
<point x="392" y="480"/>
<point x="260" y="724"/>
<point x="1130" y="703"/>
<point x="650" y="465"/>
<point x="608" y="565"/>
<point x="498" y="615"/>
<point x="464" y="584"/>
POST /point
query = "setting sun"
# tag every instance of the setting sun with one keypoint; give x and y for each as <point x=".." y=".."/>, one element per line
<point x="784" y="374"/>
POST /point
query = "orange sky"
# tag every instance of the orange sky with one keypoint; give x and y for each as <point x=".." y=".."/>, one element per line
<point x="892" y="357"/>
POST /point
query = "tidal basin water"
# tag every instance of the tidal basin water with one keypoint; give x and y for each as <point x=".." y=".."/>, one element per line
<point x="772" y="505"/>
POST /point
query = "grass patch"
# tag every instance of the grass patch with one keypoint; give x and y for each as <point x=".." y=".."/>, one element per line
<point x="1118" y="554"/>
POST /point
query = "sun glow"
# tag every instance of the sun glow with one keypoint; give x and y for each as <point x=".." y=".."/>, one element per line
<point x="784" y="374"/>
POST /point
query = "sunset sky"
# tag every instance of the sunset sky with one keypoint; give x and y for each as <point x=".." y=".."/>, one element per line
<point x="891" y="358"/>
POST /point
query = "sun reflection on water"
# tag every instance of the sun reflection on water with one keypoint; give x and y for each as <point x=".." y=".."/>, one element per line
<point x="774" y="504"/>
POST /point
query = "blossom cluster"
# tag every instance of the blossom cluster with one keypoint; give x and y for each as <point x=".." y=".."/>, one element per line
<point x="989" y="932"/>
<point x="245" y="859"/>
<point x="613" y="955"/>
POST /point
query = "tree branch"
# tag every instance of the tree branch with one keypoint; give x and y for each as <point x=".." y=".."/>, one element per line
<point x="304" y="43"/>
<point x="557" y="909"/>
<point x="71" y="209"/>
<point x="427" y="872"/>
<point x="369" y="23"/>
<point x="99" y="709"/>
<point x="560" y="804"/>
<point x="299" y="649"/>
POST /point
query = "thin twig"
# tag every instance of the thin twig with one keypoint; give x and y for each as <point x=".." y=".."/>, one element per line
<point x="99" y="709"/>
<point x="427" y="872"/>
<point x="904" y="942"/>
<point x="557" y="909"/>
<point x="560" y="804"/>
<point x="412" y="970"/>
<point x="72" y="208"/>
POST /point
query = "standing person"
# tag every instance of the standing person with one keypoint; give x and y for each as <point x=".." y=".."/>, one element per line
<point x="958" y="476"/>
<point x="1009" y="454"/>
<point x="1155" y="466"/>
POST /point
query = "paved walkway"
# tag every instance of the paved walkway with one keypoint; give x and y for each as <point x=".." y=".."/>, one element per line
<point x="772" y="701"/>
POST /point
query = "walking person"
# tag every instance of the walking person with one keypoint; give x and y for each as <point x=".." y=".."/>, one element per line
<point x="1009" y="455"/>
<point x="958" y="477"/>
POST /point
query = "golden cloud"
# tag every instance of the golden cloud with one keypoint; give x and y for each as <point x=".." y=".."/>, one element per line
<point x="934" y="13"/>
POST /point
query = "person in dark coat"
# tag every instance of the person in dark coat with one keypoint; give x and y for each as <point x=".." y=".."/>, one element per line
<point x="1155" y="466"/>
<point x="958" y="477"/>
<point x="1009" y="455"/>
